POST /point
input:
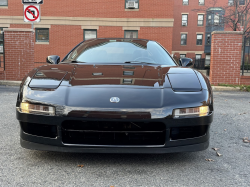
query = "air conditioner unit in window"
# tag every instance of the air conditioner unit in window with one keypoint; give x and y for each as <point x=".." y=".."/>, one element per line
<point x="131" y="4"/>
<point x="230" y="4"/>
<point x="201" y="2"/>
<point x="184" y="24"/>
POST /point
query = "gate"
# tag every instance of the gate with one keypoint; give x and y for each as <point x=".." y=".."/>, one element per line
<point x="245" y="65"/>
<point x="2" y="58"/>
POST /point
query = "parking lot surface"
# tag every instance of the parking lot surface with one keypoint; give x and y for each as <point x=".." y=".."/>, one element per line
<point x="22" y="167"/>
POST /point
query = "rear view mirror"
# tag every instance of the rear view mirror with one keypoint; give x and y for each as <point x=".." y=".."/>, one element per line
<point x="53" y="59"/>
<point x="186" y="62"/>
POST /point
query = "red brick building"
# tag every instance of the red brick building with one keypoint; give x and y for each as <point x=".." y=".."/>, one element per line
<point x="194" y="22"/>
<point x="66" y="23"/>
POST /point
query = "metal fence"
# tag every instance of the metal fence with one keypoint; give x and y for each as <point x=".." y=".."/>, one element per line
<point x="245" y="65"/>
<point x="200" y="64"/>
<point x="2" y="57"/>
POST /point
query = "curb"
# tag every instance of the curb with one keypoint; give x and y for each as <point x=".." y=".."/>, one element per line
<point x="224" y="88"/>
<point x="10" y="83"/>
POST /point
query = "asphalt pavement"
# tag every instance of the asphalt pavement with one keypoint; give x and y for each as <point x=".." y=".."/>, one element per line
<point x="22" y="167"/>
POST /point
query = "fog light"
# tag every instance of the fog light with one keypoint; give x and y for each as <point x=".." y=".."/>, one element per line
<point x="37" y="109"/>
<point x="187" y="112"/>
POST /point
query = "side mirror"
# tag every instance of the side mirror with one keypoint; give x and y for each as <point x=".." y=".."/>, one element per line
<point x="186" y="62"/>
<point x="53" y="59"/>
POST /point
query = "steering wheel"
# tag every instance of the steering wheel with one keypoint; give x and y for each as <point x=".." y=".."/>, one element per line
<point x="150" y="59"/>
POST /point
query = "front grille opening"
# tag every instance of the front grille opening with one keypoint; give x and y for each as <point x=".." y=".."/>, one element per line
<point x="113" y="133"/>
<point x="178" y="133"/>
<point x="49" y="131"/>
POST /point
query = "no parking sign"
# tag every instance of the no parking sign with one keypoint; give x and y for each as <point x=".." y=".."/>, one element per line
<point x="32" y="13"/>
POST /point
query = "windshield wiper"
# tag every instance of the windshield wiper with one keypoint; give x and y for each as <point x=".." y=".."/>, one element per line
<point x="139" y="62"/>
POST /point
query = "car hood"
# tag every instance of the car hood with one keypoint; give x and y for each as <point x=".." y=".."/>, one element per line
<point x="99" y="75"/>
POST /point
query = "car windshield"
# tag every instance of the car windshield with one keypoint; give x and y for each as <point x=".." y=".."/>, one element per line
<point x="120" y="51"/>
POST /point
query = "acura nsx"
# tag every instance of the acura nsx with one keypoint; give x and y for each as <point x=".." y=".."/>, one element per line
<point x="115" y="96"/>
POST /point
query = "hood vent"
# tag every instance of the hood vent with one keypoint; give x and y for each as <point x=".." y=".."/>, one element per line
<point x="127" y="81"/>
<point x="128" y="73"/>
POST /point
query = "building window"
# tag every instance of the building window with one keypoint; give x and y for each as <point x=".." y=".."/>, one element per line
<point x="184" y="19"/>
<point x="1" y="40"/>
<point x="131" y="4"/>
<point x="241" y="2"/>
<point x="183" y="39"/>
<point x="185" y="2"/>
<point x="201" y="2"/>
<point x="248" y="41"/>
<point x="42" y="35"/>
<point x="182" y="55"/>
<point x="200" y="20"/>
<point x="209" y="18"/>
<point x="207" y="60"/>
<point x="89" y="34"/>
<point x="3" y="2"/>
<point x="130" y="34"/>
<point x="197" y="57"/>
<point x="199" y="39"/>
<point x="216" y="19"/>
<point x="208" y="42"/>
<point x="241" y="19"/>
<point x="230" y="2"/>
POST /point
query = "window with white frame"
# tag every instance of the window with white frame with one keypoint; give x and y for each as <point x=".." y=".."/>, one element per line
<point x="130" y="34"/>
<point x="201" y="2"/>
<point x="197" y="57"/>
<point x="200" y="19"/>
<point x="185" y="2"/>
<point x="89" y="34"/>
<point x="184" y="19"/>
<point x="3" y="2"/>
<point x="230" y="2"/>
<point x="216" y="19"/>
<point x="199" y="39"/>
<point x="182" y="55"/>
<point x="183" y="39"/>
<point x="131" y="4"/>
<point x="207" y="60"/>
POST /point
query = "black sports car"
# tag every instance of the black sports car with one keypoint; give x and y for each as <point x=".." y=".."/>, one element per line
<point x="115" y="96"/>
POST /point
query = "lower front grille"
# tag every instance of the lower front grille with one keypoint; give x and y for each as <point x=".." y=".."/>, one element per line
<point x="48" y="131"/>
<point x="179" y="133"/>
<point x="113" y="133"/>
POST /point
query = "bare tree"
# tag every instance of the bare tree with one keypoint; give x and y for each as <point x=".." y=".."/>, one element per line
<point x="236" y="17"/>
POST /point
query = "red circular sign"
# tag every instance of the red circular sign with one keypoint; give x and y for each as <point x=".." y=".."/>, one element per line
<point x="27" y="10"/>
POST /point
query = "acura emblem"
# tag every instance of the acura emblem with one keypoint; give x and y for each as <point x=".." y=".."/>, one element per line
<point x="114" y="99"/>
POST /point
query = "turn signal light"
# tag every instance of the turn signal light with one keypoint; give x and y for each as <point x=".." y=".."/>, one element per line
<point x="37" y="109"/>
<point x="188" y="112"/>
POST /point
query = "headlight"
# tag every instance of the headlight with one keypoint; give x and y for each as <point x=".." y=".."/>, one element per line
<point x="37" y="109"/>
<point x="188" y="112"/>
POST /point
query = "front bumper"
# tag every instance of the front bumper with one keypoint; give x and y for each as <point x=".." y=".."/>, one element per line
<point x="56" y="144"/>
<point x="148" y="150"/>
